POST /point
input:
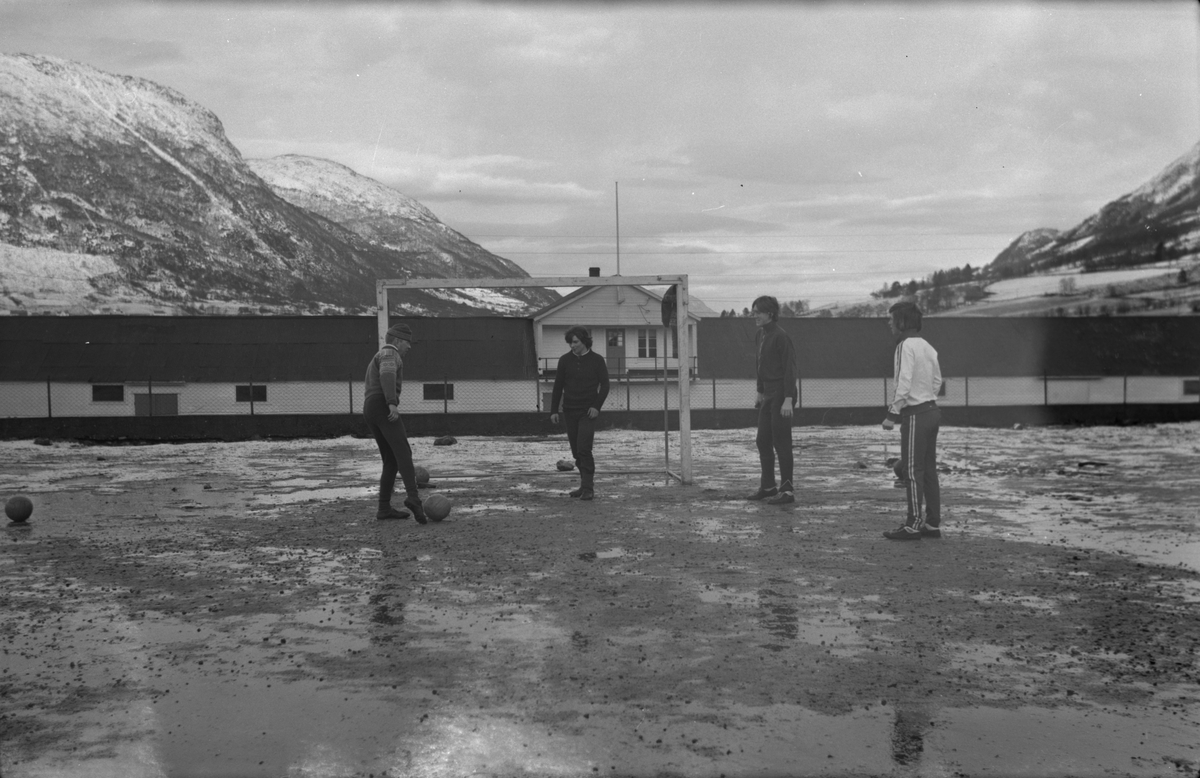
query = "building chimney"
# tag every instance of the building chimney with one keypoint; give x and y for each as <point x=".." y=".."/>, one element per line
<point x="593" y="272"/>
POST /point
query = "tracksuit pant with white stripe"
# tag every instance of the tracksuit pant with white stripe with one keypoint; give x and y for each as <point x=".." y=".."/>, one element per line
<point x="918" y="457"/>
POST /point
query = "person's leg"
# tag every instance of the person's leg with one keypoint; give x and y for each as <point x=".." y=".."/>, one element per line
<point x="913" y="491"/>
<point x="781" y="438"/>
<point x="931" y="423"/>
<point x="915" y="444"/>
<point x="572" y="420"/>
<point x="375" y="418"/>
<point x="766" y="450"/>
<point x="584" y="438"/>
<point x="396" y="441"/>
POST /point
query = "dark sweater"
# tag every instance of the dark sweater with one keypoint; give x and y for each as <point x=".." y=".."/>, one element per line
<point x="580" y="382"/>
<point x="775" y="360"/>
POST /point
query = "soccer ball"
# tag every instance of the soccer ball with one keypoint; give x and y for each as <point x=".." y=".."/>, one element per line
<point x="422" y="476"/>
<point x="18" y="508"/>
<point x="437" y="507"/>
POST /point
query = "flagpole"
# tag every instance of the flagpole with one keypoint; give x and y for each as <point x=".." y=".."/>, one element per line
<point x="617" y="195"/>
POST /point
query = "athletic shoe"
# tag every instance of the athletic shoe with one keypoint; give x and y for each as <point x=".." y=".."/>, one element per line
<point x="586" y="494"/>
<point x="763" y="494"/>
<point x="783" y="498"/>
<point x="930" y="532"/>
<point x="418" y="511"/>
<point x="900" y="483"/>
<point x="391" y="513"/>
<point x="903" y="532"/>
<point x="576" y="493"/>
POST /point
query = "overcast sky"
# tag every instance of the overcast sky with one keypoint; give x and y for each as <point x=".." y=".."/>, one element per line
<point x="813" y="151"/>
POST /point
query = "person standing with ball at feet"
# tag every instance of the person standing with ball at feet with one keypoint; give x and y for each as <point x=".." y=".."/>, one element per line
<point x="775" y="360"/>
<point x="581" y="386"/>
<point x="918" y="381"/>
<point x="385" y="376"/>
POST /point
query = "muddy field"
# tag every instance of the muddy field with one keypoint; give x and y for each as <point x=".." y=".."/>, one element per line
<point x="235" y="610"/>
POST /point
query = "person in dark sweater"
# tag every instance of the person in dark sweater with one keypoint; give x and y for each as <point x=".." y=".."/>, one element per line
<point x="581" y="387"/>
<point x="381" y="398"/>
<point x="775" y="359"/>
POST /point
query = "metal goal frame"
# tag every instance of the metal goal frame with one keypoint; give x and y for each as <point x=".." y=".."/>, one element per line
<point x="680" y="282"/>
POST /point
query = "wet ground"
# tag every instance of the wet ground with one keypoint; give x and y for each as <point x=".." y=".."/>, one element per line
<point x="235" y="610"/>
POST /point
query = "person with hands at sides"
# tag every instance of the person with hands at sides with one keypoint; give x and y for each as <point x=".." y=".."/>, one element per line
<point x="918" y="381"/>
<point x="777" y="376"/>
<point x="581" y="386"/>
<point x="381" y="398"/>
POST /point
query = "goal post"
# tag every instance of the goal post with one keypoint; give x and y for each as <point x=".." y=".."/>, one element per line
<point x="683" y="352"/>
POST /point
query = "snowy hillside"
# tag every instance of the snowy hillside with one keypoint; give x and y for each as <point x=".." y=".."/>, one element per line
<point x="1158" y="221"/>
<point x="143" y="180"/>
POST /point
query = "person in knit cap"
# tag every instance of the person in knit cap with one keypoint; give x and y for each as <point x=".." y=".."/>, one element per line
<point x="381" y="398"/>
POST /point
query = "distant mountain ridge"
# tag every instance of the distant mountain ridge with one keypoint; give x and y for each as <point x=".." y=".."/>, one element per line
<point x="117" y="192"/>
<point x="1158" y="220"/>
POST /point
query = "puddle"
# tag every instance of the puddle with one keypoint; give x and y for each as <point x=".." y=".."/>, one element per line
<point x="719" y="595"/>
<point x="719" y="530"/>
<point x="329" y="494"/>
<point x="1025" y="601"/>
<point x="1063" y="741"/>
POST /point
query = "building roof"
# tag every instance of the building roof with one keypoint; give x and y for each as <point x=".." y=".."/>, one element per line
<point x="116" y="349"/>
<point x="696" y="307"/>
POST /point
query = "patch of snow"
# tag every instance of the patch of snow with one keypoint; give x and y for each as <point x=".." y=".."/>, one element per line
<point x="1034" y="286"/>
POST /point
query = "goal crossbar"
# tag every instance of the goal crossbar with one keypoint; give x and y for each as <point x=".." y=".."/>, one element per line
<point x="680" y="282"/>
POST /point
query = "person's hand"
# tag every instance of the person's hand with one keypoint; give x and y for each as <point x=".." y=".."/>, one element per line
<point x="393" y="413"/>
<point x="888" y="424"/>
<point x="554" y="418"/>
<point x="758" y="401"/>
<point x="786" y="410"/>
<point x="593" y="413"/>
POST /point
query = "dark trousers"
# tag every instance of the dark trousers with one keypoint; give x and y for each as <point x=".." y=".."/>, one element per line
<point x="392" y="440"/>
<point x="774" y="439"/>
<point x="581" y="432"/>
<point x="918" y="458"/>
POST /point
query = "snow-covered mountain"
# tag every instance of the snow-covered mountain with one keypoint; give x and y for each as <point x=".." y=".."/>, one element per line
<point x="118" y="194"/>
<point x="390" y="220"/>
<point x="1158" y="220"/>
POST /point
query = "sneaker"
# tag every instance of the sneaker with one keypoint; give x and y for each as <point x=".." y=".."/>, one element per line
<point x="418" y="511"/>
<point x="783" y="498"/>
<point x="903" y="532"/>
<point x="391" y="513"/>
<point x="586" y="494"/>
<point x="900" y="483"/>
<point x="576" y="493"/>
<point x="928" y="531"/>
<point x="764" y="493"/>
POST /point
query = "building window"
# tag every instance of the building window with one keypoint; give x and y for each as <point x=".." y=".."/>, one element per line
<point x="616" y="338"/>
<point x="647" y="343"/>
<point x="156" y="404"/>
<point x="439" y="391"/>
<point x="1191" y="386"/>
<point x="108" y="393"/>
<point x="251" y="393"/>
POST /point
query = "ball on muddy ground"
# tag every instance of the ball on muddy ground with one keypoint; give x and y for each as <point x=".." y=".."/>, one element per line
<point x="18" y="508"/>
<point x="422" y="476"/>
<point x="564" y="465"/>
<point x="437" y="507"/>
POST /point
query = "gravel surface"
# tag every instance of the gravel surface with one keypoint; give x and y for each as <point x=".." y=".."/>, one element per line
<point x="218" y="609"/>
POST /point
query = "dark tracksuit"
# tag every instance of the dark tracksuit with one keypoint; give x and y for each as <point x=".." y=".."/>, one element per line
<point x="580" y="383"/>
<point x="385" y="376"/>
<point x="775" y="360"/>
